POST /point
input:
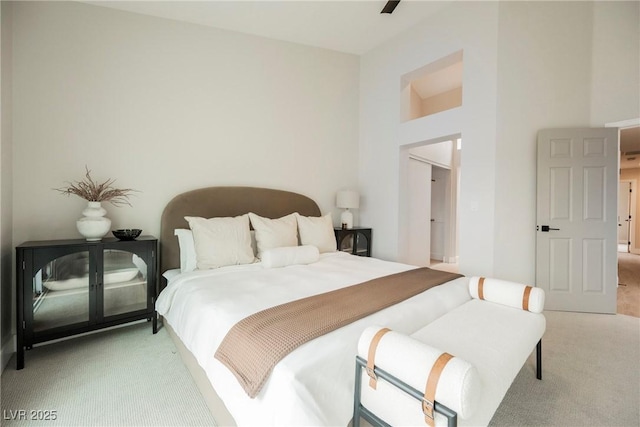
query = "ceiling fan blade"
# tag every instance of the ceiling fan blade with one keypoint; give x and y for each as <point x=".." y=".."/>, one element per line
<point x="390" y="6"/>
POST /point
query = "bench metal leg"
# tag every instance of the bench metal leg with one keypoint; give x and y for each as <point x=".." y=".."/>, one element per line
<point x="360" y="411"/>
<point x="539" y="360"/>
<point x="356" y="398"/>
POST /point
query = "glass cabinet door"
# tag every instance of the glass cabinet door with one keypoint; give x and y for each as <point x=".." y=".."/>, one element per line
<point x="361" y="244"/>
<point x="61" y="292"/>
<point x="124" y="282"/>
<point x="356" y="241"/>
<point x="346" y="243"/>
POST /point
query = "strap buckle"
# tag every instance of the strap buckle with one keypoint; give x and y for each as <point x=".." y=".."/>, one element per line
<point x="370" y="371"/>
<point x="427" y="408"/>
<point x="373" y="378"/>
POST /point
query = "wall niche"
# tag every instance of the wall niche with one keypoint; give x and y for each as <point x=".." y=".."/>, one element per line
<point x="431" y="89"/>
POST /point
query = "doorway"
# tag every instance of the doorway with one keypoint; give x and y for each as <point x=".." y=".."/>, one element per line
<point x="628" y="291"/>
<point x="429" y="191"/>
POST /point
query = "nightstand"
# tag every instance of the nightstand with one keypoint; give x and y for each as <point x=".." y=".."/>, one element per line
<point x="356" y="240"/>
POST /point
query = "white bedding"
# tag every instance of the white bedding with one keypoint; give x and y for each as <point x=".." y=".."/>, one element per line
<point x="314" y="384"/>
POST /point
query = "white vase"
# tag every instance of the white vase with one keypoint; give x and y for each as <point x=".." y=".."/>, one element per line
<point x="93" y="225"/>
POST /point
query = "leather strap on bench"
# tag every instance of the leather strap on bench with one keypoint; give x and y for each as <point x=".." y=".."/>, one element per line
<point x="373" y="378"/>
<point x="432" y="385"/>
<point x="481" y="288"/>
<point x="525" y="298"/>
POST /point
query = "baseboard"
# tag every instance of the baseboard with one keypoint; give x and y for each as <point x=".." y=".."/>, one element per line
<point x="7" y="351"/>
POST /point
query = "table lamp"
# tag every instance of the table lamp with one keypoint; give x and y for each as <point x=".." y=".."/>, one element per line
<point x="347" y="199"/>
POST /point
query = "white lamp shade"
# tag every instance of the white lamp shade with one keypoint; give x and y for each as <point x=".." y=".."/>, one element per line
<point x="348" y="199"/>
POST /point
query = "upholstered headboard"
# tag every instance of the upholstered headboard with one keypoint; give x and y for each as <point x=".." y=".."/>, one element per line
<point x="221" y="202"/>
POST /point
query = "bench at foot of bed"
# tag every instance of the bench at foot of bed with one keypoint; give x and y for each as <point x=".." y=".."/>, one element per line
<point x="489" y="340"/>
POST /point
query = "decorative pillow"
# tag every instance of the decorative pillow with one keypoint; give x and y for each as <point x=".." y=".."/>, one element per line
<point x="459" y="386"/>
<point x="274" y="233"/>
<point x="290" y="255"/>
<point x="507" y="293"/>
<point x="221" y="241"/>
<point x="317" y="231"/>
<point x="187" y="249"/>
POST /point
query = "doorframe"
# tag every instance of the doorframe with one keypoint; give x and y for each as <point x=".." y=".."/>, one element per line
<point x="624" y="124"/>
<point x="403" y="209"/>
<point x="633" y="247"/>
<point x="632" y="212"/>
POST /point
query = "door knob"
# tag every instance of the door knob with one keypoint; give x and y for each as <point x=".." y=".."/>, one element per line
<point x="546" y="228"/>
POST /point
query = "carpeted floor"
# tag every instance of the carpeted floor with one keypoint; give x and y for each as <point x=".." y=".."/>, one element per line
<point x="121" y="377"/>
<point x="591" y="375"/>
<point x="129" y="377"/>
<point x="629" y="284"/>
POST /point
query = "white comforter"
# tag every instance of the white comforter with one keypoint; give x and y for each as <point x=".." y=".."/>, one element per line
<point x="314" y="384"/>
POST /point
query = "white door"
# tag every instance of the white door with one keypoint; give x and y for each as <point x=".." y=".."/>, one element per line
<point x="576" y="243"/>
<point x="624" y="212"/>
<point x="419" y="190"/>
<point x="439" y="212"/>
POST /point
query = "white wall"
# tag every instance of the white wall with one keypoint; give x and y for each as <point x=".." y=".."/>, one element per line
<point x="471" y="27"/>
<point x="615" y="76"/>
<point x="544" y="82"/>
<point x="163" y="107"/>
<point x="440" y="153"/>
<point x="527" y="66"/>
<point x="556" y="68"/>
<point x="6" y="181"/>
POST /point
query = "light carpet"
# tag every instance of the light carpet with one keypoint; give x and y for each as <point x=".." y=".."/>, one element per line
<point x="129" y="377"/>
<point x="590" y="375"/>
<point x="120" y="377"/>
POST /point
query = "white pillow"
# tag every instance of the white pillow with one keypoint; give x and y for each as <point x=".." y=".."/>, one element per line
<point x="317" y="231"/>
<point x="459" y="388"/>
<point x="170" y="274"/>
<point x="290" y="255"/>
<point x="221" y="241"/>
<point x="274" y="233"/>
<point x="508" y="293"/>
<point x="187" y="249"/>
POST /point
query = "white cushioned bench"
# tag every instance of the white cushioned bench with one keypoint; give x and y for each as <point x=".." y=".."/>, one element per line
<point x="490" y="339"/>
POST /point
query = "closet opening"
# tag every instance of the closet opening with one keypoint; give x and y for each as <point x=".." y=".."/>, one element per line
<point x="430" y="177"/>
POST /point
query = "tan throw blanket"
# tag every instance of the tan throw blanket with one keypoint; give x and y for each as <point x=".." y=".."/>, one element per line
<point x="257" y="343"/>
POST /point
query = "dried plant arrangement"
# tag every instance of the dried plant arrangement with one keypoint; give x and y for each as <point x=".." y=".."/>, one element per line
<point x="94" y="191"/>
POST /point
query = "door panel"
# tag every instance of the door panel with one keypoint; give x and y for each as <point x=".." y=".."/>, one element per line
<point x="576" y="258"/>
<point x="560" y="190"/>
<point x="593" y="260"/>
<point x="560" y="264"/>
<point x="594" y="194"/>
<point x="419" y="188"/>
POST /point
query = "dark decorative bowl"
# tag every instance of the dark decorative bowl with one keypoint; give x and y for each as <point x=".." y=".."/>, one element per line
<point x="127" y="233"/>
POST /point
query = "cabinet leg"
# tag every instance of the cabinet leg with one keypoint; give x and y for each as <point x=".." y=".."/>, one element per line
<point x="155" y="322"/>
<point x="20" y="358"/>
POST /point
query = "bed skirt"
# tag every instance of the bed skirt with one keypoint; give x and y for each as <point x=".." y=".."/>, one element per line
<point x="211" y="398"/>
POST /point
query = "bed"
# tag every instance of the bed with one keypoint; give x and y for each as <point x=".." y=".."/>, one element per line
<point x="314" y="384"/>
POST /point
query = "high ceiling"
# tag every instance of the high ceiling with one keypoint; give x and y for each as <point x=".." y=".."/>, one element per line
<point x="354" y="26"/>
